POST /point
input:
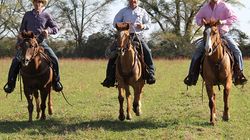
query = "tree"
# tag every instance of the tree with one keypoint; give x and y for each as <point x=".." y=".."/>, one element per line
<point x="81" y="16"/>
<point x="176" y="16"/>
<point x="8" y="11"/>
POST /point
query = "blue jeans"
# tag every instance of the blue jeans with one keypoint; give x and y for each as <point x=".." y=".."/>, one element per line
<point x="147" y="54"/>
<point x="232" y="45"/>
<point x="235" y="49"/>
<point x="148" y="57"/>
<point x="54" y="59"/>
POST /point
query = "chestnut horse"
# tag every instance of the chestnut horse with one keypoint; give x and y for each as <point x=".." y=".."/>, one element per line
<point x="128" y="72"/>
<point x="217" y="68"/>
<point x="36" y="73"/>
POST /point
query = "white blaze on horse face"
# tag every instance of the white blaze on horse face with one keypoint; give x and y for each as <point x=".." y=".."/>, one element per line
<point x="208" y="45"/>
<point x="28" y="56"/>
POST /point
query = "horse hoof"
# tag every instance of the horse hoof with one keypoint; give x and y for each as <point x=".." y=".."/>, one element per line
<point x="129" y="117"/>
<point x="121" y="117"/>
<point x="212" y="123"/>
<point x="138" y="113"/>
<point x="43" y="118"/>
<point x="225" y="118"/>
<point x="50" y="112"/>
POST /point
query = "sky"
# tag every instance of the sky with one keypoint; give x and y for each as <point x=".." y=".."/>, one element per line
<point x="243" y="14"/>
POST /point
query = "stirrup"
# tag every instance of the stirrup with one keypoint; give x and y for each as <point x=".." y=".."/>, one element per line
<point x="8" y="88"/>
<point x="151" y="80"/>
<point x="189" y="82"/>
<point x="57" y="86"/>
<point x="108" y="83"/>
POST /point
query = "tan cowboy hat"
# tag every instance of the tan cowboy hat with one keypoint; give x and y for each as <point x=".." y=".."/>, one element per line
<point x="44" y="1"/>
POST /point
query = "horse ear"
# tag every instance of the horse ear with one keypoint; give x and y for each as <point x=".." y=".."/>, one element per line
<point x="204" y="21"/>
<point x="116" y="26"/>
<point x="23" y="34"/>
<point x="122" y="26"/>
<point x="127" y="26"/>
<point x="218" y="22"/>
<point x="30" y="34"/>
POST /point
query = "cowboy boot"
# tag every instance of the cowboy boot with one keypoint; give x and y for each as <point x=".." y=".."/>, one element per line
<point x="151" y="79"/>
<point x="56" y="84"/>
<point x="13" y="71"/>
<point x="194" y="70"/>
<point x="110" y="74"/>
<point x="239" y="78"/>
<point x="148" y="59"/>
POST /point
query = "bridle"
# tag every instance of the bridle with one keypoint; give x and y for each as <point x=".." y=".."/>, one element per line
<point x="25" y="45"/>
<point x="215" y="44"/>
<point x="122" y="51"/>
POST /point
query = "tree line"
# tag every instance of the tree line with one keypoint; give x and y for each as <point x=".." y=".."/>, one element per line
<point x="84" y="32"/>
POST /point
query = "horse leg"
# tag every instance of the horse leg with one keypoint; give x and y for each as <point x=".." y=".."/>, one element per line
<point x="29" y="98"/>
<point x="121" y="100"/>
<point x="225" y="98"/>
<point x="137" y="99"/>
<point x="38" y="109"/>
<point x="50" y="105"/>
<point x="128" y="96"/>
<point x="211" y="97"/>
<point x="44" y="95"/>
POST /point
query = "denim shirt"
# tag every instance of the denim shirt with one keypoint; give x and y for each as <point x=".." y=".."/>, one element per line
<point x="37" y="22"/>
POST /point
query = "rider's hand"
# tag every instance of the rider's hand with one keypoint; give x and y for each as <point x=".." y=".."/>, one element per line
<point x="45" y="33"/>
<point x="219" y="22"/>
<point x="139" y="26"/>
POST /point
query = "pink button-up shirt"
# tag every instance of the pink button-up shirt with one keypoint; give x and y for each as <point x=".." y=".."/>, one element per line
<point x="221" y="11"/>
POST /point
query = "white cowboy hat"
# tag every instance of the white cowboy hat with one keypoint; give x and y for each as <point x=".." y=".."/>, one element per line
<point x="44" y="1"/>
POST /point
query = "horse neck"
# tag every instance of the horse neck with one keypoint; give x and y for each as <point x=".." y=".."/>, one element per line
<point x="218" y="54"/>
<point x="128" y="59"/>
<point x="36" y="65"/>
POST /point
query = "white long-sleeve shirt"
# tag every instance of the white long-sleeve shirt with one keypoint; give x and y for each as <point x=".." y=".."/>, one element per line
<point x="134" y="16"/>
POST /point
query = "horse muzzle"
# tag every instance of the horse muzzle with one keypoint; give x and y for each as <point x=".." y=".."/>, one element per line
<point x="26" y="62"/>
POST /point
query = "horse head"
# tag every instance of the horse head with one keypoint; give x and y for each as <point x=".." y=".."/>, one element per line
<point x="123" y="37"/>
<point x="211" y="36"/>
<point x="29" y="47"/>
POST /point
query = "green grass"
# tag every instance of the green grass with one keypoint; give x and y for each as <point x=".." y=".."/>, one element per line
<point x="169" y="110"/>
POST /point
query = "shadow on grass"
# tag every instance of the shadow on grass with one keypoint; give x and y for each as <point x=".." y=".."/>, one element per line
<point x="57" y="127"/>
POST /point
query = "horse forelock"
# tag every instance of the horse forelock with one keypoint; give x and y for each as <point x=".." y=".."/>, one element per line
<point x="123" y="38"/>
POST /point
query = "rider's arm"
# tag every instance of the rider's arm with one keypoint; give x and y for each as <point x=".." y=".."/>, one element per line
<point x="118" y="17"/>
<point x="51" y="25"/>
<point x="230" y="16"/>
<point x="146" y="20"/>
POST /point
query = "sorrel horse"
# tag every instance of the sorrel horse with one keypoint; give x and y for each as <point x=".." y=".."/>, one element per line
<point x="36" y="74"/>
<point x="128" y="72"/>
<point x="217" y="68"/>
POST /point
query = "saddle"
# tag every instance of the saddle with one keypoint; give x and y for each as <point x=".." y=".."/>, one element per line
<point x="112" y="52"/>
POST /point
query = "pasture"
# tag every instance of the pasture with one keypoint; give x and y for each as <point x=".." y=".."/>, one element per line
<point x="168" y="110"/>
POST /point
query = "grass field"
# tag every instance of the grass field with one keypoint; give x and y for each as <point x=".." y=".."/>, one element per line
<point x="169" y="110"/>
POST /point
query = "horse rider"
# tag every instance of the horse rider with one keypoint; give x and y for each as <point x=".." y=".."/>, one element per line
<point x="41" y="24"/>
<point x="217" y="10"/>
<point x="140" y="20"/>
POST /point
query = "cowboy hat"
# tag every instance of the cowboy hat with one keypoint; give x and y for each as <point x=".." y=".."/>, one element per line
<point x="44" y="1"/>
